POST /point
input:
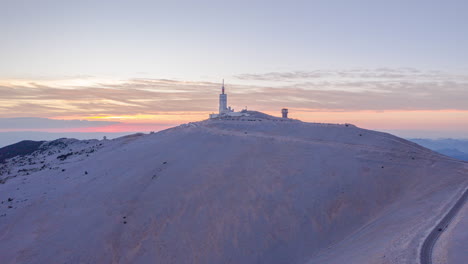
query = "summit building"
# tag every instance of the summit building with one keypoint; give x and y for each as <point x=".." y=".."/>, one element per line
<point x="225" y="110"/>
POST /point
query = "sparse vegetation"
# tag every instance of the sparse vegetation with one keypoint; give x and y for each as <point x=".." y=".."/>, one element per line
<point x="64" y="156"/>
<point x="22" y="148"/>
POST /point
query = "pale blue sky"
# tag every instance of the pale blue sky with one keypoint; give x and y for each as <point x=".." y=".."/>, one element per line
<point x="207" y="40"/>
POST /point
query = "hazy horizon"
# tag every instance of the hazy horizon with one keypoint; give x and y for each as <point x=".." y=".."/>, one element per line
<point x="37" y="129"/>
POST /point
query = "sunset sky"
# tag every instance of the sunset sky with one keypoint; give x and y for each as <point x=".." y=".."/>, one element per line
<point x="398" y="66"/>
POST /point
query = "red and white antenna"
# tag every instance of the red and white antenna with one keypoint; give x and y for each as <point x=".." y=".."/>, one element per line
<point x="223" y="87"/>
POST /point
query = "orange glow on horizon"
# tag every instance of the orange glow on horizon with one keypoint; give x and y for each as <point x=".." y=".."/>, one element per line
<point x="171" y="117"/>
<point x="393" y="119"/>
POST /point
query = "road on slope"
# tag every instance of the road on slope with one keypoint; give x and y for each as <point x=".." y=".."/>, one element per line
<point x="428" y="245"/>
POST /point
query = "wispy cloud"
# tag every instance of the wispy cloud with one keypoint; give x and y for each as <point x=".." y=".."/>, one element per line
<point x="365" y="89"/>
<point x="322" y="90"/>
<point x="361" y="74"/>
<point x="129" y="97"/>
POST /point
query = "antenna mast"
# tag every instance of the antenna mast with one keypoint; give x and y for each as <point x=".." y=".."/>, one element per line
<point x="223" y="87"/>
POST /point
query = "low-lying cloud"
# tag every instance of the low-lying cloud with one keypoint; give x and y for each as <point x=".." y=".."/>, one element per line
<point x="34" y="123"/>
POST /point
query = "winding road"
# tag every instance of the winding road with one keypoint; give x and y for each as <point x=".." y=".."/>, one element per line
<point x="428" y="245"/>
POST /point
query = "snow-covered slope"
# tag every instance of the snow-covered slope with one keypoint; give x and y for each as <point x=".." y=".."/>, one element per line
<point x="254" y="189"/>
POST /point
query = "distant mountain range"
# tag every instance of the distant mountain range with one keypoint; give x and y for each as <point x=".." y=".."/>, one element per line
<point x="8" y="138"/>
<point x="455" y="148"/>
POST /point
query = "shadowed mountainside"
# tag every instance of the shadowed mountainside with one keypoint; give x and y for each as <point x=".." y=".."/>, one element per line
<point x="19" y="149"/>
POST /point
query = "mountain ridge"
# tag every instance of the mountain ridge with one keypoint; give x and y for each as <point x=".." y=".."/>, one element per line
<point x="230" y="191"/>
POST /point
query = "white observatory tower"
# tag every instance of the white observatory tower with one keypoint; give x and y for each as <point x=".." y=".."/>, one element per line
<point x="223" y="101"/>
<point x="225" y="110"/>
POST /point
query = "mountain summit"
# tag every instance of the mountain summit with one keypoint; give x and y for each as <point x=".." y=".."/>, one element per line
<point x="248" y="189"/>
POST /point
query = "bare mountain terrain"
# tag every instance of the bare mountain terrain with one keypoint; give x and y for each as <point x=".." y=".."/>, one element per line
<point x="254" y="189"/>
<point x="22" y="148"/>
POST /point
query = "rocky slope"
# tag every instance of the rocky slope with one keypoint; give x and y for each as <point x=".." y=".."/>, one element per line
<point x="254" y="189"/>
